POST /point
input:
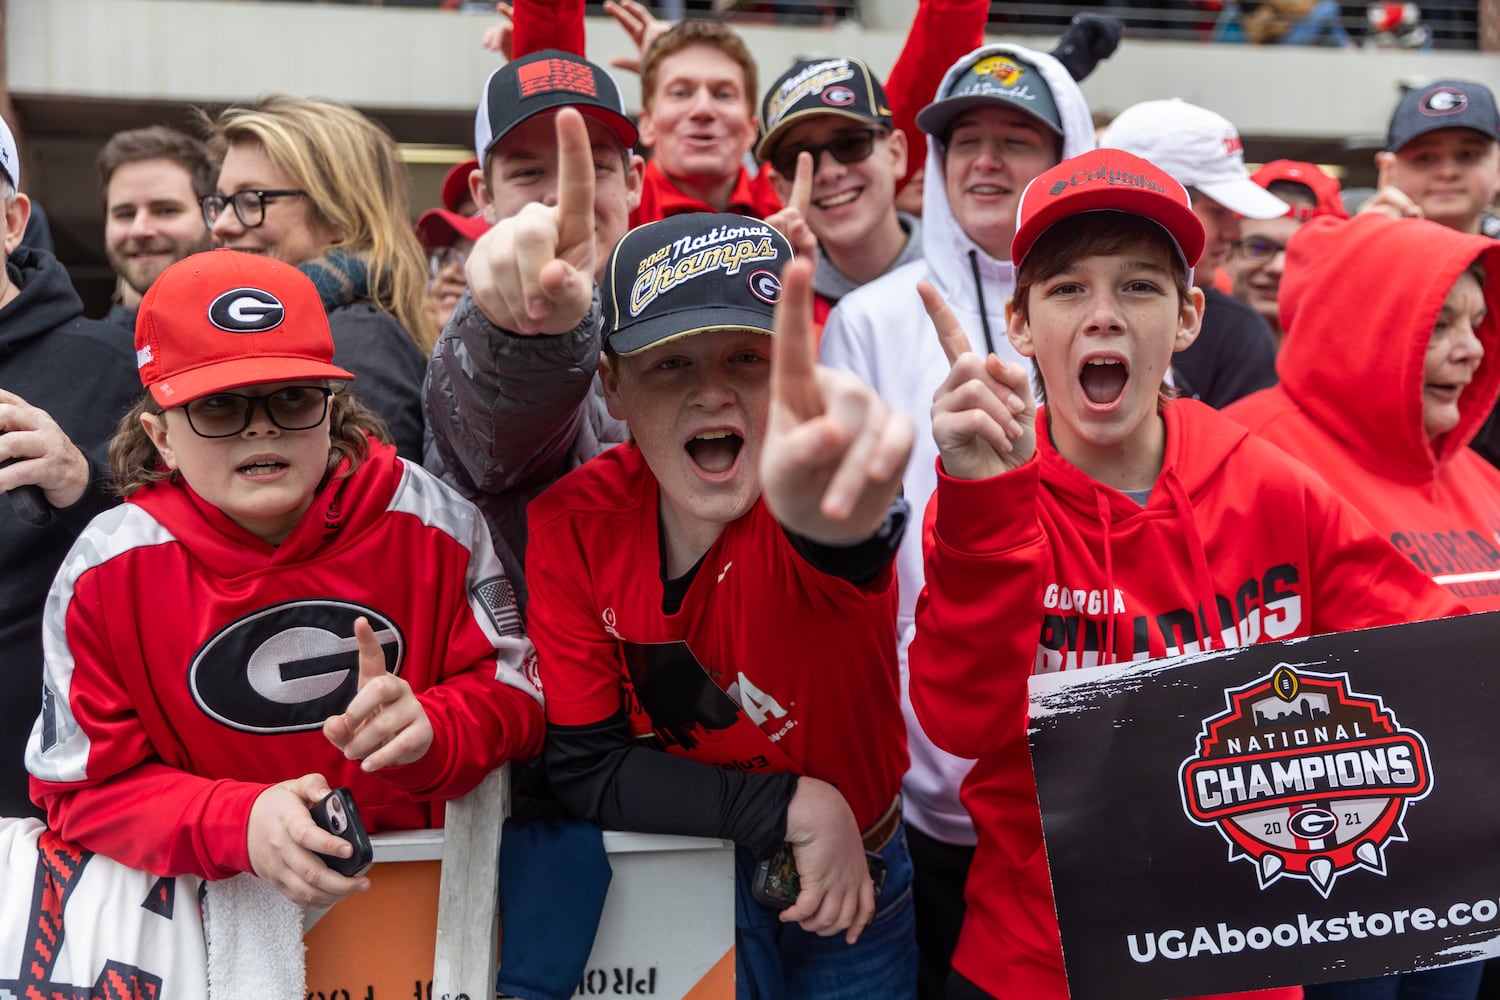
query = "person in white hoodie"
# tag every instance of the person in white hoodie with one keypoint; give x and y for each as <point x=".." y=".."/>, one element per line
<point x="1002" y="115"/>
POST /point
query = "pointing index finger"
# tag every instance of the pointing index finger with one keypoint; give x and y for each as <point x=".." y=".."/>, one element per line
<point x="950" y="332"/>
<point x="575" y="184"/>
<point x="801" y="198"/>
<point x="793" y="356"/>
<point x="371" y="655"/>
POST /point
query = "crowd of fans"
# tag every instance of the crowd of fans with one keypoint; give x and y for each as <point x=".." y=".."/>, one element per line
<point x="338" y="495"/>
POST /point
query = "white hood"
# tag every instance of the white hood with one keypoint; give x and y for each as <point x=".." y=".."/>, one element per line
<point x="945" y="244"/>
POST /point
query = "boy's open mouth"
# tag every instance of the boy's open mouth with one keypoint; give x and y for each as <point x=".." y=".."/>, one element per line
<point x="261" y="468"/>
<point x="1103" y="379"/>
<point x="715" y="451"/>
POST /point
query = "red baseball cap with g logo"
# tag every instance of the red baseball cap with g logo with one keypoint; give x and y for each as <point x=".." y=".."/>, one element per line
<point x="222" y="319"/>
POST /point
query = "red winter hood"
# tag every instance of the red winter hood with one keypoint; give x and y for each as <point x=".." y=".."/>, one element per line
<point x="1358" y="302"/>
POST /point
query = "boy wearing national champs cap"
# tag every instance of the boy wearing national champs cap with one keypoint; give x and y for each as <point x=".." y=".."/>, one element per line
<point x="1098" y="491"/>
<point x="1003" y="114"/>
<point x="1235" y="353"/>
<point x="267" y="524"/>
<point x="720" y="588"/>
<point x="509" y="395"/>
<point x="1442" y="157"/>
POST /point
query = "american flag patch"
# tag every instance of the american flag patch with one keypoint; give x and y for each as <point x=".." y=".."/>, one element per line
<point x="498" y="598"/>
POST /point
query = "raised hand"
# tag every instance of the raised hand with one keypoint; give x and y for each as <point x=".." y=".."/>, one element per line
<point x="791" y="221"/>
<point x="282" y="838"/>
<point x="641" y="25"/>
<point x="499" y="37"/>
<point x="43" y="453"/>
<point x="983" y="416"/>
<point x="385" y="725"/>
<point x="836" y="893"/>
<point x="834" y="452"/>
<point x="534" y="272"/>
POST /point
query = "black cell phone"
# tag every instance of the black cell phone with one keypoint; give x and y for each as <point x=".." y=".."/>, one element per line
<point x="335" y="813"/>
<point x="776" y="883"/>
<point x="27" y="501"/>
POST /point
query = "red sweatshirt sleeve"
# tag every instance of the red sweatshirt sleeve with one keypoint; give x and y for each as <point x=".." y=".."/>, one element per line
<point x="942" y="31"/>
<point x="976" y="630"/>
<point x="131" y="806"/>
<point x="547" y="24"/>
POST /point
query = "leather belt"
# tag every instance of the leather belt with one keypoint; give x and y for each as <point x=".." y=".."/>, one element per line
<point x="883" y="829"/>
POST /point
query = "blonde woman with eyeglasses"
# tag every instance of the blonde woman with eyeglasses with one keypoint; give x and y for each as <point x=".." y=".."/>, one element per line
<point x="318" y="185"/>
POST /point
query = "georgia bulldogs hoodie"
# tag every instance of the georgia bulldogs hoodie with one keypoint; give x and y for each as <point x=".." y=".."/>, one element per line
<point x="1044" y="568"/>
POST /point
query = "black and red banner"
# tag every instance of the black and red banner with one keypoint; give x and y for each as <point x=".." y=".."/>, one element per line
<point x="1283" y="814"/>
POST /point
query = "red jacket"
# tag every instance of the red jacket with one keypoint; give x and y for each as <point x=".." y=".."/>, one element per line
<point x="1350" y="399"/>
<point x="661" y="198"/>
<point x="190" y="665"/>
<point x="1044" y="569"/>
<point x="810" y="658"/>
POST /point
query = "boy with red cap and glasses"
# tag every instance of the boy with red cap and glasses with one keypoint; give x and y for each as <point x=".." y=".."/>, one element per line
<point x="1112" y="487"/>
<point x="246" y="630"/>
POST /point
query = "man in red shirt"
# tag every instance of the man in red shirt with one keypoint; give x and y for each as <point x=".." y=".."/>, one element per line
<point x="698" y="87"/>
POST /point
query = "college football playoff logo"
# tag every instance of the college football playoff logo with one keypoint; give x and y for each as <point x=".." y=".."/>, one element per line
<point x="1304" y="777"/>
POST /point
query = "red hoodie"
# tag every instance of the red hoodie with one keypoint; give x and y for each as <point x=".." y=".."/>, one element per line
<point x="1044" y="568"/>
<point x="1355" y="414"/>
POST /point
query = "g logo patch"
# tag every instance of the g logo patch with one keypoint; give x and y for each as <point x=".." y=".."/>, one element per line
<point x="1444" y="101"/>
<point x="764" y="285"/>
<point x="286" y="668"/>
<point x="246" y="310"/>
<point x="839" y="97"/>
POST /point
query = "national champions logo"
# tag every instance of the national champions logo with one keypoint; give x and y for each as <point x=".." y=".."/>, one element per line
<point x="1304" y="777"/>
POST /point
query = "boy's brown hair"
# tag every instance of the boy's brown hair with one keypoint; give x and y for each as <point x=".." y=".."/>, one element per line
<point x="685" y="34"/>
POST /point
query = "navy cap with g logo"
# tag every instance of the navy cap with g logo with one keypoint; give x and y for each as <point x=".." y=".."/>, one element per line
<point x="691" y="274"/>
<point x="1443" y="104"/>
<point x="844" y="87"/>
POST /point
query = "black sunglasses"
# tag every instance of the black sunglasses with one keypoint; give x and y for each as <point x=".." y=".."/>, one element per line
<point x="846" y="147"/>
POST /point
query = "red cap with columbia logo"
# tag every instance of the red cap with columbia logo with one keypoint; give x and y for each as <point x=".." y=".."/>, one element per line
<point x="222" y="319"/>
<point x="1107" y="180"/>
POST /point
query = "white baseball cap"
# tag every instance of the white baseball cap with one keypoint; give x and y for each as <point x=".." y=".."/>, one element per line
<point x="1199" y="148"/>
<point x="9" y="161"/>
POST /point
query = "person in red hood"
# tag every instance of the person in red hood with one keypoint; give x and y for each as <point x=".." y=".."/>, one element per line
<point x="1166" y="510"/>
<point x="1392" y="426"/>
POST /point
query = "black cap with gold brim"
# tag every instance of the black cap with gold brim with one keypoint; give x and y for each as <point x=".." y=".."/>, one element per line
<point x="692" y="274"/>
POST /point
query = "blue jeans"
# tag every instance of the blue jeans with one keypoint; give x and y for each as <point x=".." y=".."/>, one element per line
<point x="1320" y="26"/>
<point x="777" y="961"/>
<point x="1453" y="982"/>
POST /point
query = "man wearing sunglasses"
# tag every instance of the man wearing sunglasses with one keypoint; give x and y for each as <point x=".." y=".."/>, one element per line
<point x="836" y="111"/>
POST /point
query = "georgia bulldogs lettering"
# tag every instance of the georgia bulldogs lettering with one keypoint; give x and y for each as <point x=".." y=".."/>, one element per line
<point x="1262" y="608"/>
<point x="1466" y="562"/>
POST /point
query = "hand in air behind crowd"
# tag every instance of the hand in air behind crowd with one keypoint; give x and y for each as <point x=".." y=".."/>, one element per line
<point x="834" y="452"/>
<point x="282" y="839"/>
<point x="641" y="25"/>
<point x="44" y="455"/>
<point x="791" y="221"/>
<point x="534" y="272"/>
<point x="385" y="725"/>
<point x="836" y="893"/>
<point x="983" y="416"/>
<point x="499" y="37"/>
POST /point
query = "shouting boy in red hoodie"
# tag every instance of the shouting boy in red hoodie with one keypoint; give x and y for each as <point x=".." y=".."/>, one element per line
<point x="1186" y="532"/>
